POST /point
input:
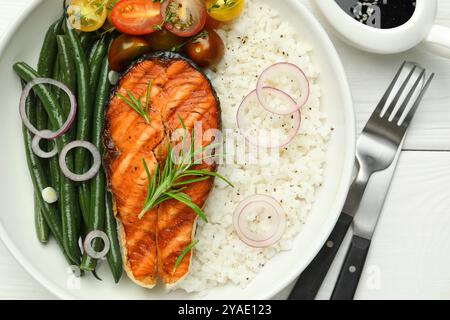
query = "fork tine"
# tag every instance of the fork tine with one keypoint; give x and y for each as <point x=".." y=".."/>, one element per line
<point x="384" y="99"/>
<point x="413" y="109"/>
<point x="398" y="115"/>
<point x="397" y="97"/>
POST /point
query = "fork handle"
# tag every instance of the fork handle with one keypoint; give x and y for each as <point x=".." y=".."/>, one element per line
<point x="351" y="269"/>
<point x="310" y="281"/>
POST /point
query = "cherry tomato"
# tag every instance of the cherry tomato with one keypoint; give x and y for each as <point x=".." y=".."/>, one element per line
<point x="125" y="49"/>
<point x="137" y="17"/>
<point x="110" y="6"/>
<point x="164" y="40"/>
<point x="212" y="23"/>
<point x="206" y="51"/>
<point x="225" y="10"/>
<point x="184" y="18"/>
<point x="87" y="15"/>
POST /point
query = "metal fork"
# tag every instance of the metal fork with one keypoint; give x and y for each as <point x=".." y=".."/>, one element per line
<point x="384" y="132"/>
<point x="378" y="148"/>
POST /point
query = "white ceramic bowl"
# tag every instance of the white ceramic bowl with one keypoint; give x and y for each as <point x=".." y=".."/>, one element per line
<point x="46" y="264"/>
<point x="420" y="28"/>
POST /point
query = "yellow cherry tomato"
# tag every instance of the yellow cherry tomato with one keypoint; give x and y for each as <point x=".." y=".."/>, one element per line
<point x="87" y="15"/>
<point x="225" y="10"/>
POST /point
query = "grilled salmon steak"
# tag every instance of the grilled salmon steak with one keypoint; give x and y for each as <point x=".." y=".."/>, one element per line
<point x="152" y="244"/>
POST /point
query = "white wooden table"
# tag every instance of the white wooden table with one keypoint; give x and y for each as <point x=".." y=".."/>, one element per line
<point x="410" y="253"/>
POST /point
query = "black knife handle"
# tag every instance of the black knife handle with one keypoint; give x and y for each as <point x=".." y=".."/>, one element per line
<point x="309" y="282"/>
<point x="351" y="269"/>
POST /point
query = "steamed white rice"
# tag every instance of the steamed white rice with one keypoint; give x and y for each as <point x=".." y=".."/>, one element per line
<point x="258" y="39"/>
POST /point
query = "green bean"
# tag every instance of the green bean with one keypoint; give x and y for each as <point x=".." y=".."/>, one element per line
<point x="67" y="199"/>
<point x="55" y="173"/>
<point x="97" y="185"/>
<point x="42" y="230"/>
<point x="95" y="62"/>
<point x="53" y="165"/>
<point x="84" y="95"/>
<point x="86" y="40"/>
<point x="68" y="75"/>
<point x="46" y="68"/>
<point x="49" y="51"/>
<point x="92" y="51"/>
<point x="114" y="255"/>
<point x="39" y="178"/>
<point x="84" y="202"/>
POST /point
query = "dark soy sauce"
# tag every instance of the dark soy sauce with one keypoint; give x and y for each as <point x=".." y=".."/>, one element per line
<point x="382" y="14"/>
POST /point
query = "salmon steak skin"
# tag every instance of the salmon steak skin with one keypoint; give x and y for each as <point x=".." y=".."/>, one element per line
<point x="179" y="94"/>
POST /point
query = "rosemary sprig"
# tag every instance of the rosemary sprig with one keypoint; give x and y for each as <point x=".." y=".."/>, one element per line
<point x="136" y="104"/>
<point x="185" y="251"/>
<point x="173" y="179"/>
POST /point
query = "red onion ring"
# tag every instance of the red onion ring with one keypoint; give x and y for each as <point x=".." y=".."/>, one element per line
<point x="87" y="244"/>
<point x="47" y="134"/>
<point x="96" y="163"/>
<point x="285" y="68"/>
<point x="249" y="137"/>
<point x="37" y="148"/>
<point x="249" y="237"/>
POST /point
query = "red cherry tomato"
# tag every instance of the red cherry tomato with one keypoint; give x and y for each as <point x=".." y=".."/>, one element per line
<point x="184" y="18"/>
<point x="110" y="6"/>
<point x="137" y="17"/>
<point x="206" y="51"/>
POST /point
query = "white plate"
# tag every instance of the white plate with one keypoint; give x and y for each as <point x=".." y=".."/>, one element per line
<point x="46" y="264"/>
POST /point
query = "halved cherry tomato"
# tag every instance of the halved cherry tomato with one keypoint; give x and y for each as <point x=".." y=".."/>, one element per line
<point x="164" y="40"/>
<point x="184" y="18"/>
<point x="110" y="6"/>
<point x="137" y="17"/>
<point x="206" y="51"/>
<point x="125" y="49"/>
<point x="87" y="15"/>
<point x="225" y="10"/>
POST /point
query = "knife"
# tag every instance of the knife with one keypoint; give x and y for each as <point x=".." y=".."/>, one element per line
<point x="385" y="136"/>
<point x="312" y="277"/>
